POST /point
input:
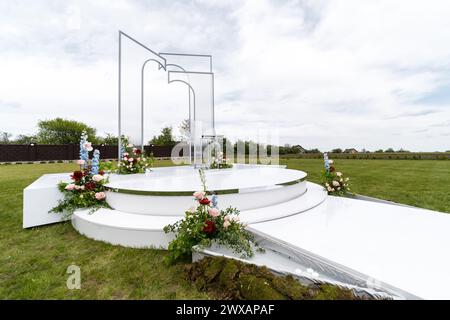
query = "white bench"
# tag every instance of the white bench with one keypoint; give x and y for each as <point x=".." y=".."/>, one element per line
<point x="39" y="197"/>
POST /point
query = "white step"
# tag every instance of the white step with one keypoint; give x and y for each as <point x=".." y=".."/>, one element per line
<point x="404" y="247"/>
<point x="125" y="229"/>
<point x="313" y="197"/>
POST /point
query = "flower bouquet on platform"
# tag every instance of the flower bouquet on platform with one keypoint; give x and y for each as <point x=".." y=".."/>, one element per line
<point x="204" y="224"/>
<point x="133" y="160"/>
<point x="334" y="181"/>
<point x="87" y="187"/>
<point x="219" y="162"/>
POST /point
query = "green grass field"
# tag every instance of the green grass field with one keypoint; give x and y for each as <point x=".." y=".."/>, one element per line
<point x="33" y="262"/>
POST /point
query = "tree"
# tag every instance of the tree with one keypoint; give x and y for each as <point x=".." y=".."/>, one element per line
<point x="109" y="139"/>
<point x="165" y="138"/>
<point x="4" y="137"/>
<point x="389" y="150"/>
<point x="62" y="131"/>
<point x="185" y="130"/>
<point x="379" y="151"/>
<point x="337" y="150"/>
<point x="25" y="139"/>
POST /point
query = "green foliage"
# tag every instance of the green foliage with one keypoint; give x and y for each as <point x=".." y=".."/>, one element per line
<point x="5" y="137"/>
<point x="334" y="181"/>
<point x="203" y="225"/>
<point x="165" y="138"/>
<point x="25" y="139"/>
<point x="81" y="194"/>
<point x="109" y="139"/>
<point x="192" y="231"/>
<point x="62" y="131"/>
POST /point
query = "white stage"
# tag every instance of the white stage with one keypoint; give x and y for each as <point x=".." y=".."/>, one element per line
<point x="393" y="250"/>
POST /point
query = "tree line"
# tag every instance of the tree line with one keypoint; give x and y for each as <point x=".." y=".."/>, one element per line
<point x="64" y="131"/>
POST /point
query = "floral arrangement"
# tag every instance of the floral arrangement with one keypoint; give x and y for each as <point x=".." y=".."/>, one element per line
<point x="334" y="181"/>
<point x="219" y="162"/>
<point x="87" y="187"/>
<point x="133" y="160"/>
<point x="204" y="224"/>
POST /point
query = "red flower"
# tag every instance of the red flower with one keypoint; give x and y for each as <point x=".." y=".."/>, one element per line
<point x="77" y="175"/>
<point x="331" y="169"/>
<point x="204" y="201"/>
<point x="101" y="172"/>
<point x="138" y="151"/>
<point x="90" y="185"/>
<point x="210" y="227"/>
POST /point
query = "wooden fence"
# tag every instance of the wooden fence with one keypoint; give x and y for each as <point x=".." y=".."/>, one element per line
<point x="43" y="152"/>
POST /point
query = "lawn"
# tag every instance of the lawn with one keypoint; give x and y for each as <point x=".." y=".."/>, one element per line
<point x="33" y="262"/>
<point x="420" y="183"/>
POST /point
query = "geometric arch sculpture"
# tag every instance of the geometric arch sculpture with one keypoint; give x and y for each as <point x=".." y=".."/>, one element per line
<point x="194" y="70"/>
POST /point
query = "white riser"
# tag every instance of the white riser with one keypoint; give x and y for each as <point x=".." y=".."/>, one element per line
<point x="172" y="205"/>
<point x="139" y="230"/>
<point x="128" y="230"/>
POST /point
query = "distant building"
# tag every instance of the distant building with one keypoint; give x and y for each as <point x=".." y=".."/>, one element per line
<point x="298" y="149"/>
<point x="351" y="150"/>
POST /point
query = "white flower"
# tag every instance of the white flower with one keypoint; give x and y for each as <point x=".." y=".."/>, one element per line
<point x="329" y="189"/>
<point x="346" y="179"/>
<point x="339" y="174"/>
<point x="335" y="183"/>
<point x="97" y="177"/>
<point x="192" y="209"/>
<point x="330" y="161"/>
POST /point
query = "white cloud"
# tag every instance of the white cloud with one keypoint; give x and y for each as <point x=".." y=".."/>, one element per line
<point x="326" y="73"/>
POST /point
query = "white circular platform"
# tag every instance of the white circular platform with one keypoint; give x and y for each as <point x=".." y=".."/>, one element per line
<point x="168" y="191"/>
<point x="144" y="204"/>
<point x="185" y="180"/>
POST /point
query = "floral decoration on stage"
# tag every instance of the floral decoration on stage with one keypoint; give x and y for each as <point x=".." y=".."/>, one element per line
<point x="334" y="181"/>
<point x="86" y="190"/>
<point x="133" y="160"/>
<point x="204" y="223"/>
<point x="219" y="162"/>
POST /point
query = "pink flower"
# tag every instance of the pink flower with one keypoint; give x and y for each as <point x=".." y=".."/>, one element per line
<point x="100" y="196"/>
<point x="226" y="224"/>
<point x="70" y="186"/>
<point x="80" y="162"/>
<point x="97" y="177"/>
<point x="130" y="159"/>
<point x="199" y="195"/>
<point x="125" y="154"/>
<point x="213" y="212"/>
<point x="88" y="146"/>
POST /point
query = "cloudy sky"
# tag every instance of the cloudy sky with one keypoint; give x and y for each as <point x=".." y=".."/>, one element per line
<point x="326" y="74"/>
